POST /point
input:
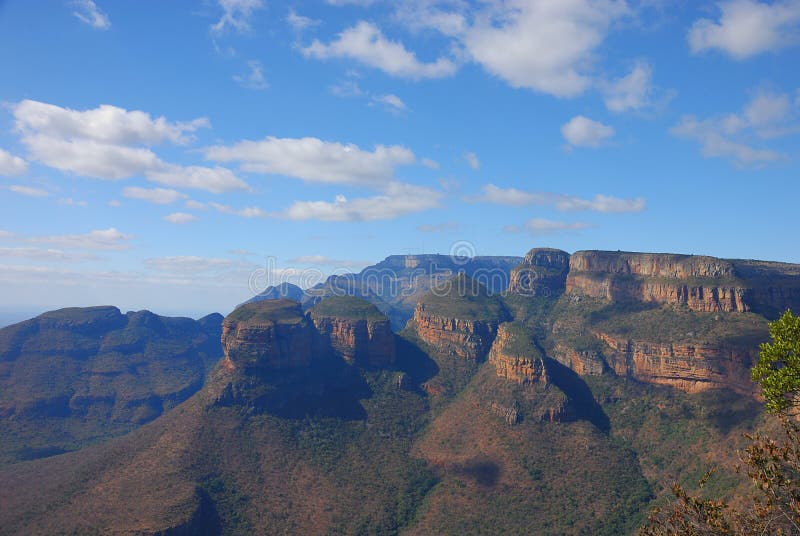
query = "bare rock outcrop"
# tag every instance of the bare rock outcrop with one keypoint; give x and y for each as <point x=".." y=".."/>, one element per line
<point x="543" y="272"/>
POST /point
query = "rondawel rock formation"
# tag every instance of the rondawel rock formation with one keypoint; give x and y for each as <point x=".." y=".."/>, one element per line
<point x="543" y="272"/>
<point x="459" y="317"/>
<point x="355" y="330"/>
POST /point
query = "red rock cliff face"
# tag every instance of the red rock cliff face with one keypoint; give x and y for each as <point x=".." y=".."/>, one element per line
<point x="520" y="367"/>
<point x="689" y="367"/>
<point x="267" y="344"/>
<point x="701" y="283"/>
<point x="367" y="342"/>
<point x="468" y="339"/>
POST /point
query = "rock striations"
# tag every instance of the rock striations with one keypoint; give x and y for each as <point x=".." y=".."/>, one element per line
<point x="459" y="318"/>
<point x="355" y="330"/>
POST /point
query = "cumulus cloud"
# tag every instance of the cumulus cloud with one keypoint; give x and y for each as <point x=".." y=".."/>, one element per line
<point x="180" y="218"/>
<point x="540" y="227"/>
<point x="472" y="160"/>
<point x="101" y="239"/>
<point x="254" y="78"/>
<point x="391" y="101"/>
<point x="747" y="28"/>
<point x="28" y="190"/>
<point x="11" y="165"/>
<point x="299" y="22"/>
<point x="236" y="14"/>
<point x="398" y="199"/>
<point x="315" y="160"/>
<point x="581" y="131"/>
<point x="633" y="91"/>
<point x="247" y="212"/>
<point x="105" y="124"/>
<point x="561" y="202"/>
<point x="544" y="45"/>
<point x="112" y="143"/>
<point x="767" y="115"/>
<point x="215" y="180"/>
<point x="366" y="44"/>
<point x="88" y="12"/>
<point x="159" y="196"/>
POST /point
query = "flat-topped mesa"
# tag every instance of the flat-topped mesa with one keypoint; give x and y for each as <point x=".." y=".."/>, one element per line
<point x="515" y="357"/>
<point x="459" y="318"/>
<point x="690" y="367"/>
<point x="701" y="283"/>
<point x="355" y="330"/>
<point x="267" y="335"/>
<point x="543" y="272"/>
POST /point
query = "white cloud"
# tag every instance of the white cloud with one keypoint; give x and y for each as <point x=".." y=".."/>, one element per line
<point x="5" y="234"/>
<point x="510" y="196"/>
<point x="392" y="102"/>
<point x="254" y="79"/>
<point x="439" y="227"/>
<point x="112" y="143"/>
<point x="88" y="12"/>
<point x="196" y="205"/>
<point x="114" y="203"/>
<point x="366" y="44"/>
<point x="43" y="254"/>
<point x="561" y="202"/>
<point x="747" y="28"/>
<point x="105" y="124"/>
<point x="101" y="239"/>
<point x="11" y="165"/>
<point x="346" y="88"/>
<point x="767" y="115"/>
<point x="91" y="158"/>
<point x="429" y="163"/>
<point x="299" y="22"/>
<point x="361" y="3"/>
<point x="314" y="160"/>
<point x="399" y="199"/>
<point x="28" y="190"/>
<point x="72" y="202"/>
<point x="540" y="226"/>
<point x="472" y="160"/>
<point x="187" y="264"/>
<point x="159" y="196"/>
<point x="544" y="45"/>
<point x="715" y="143"/>
<point x="180" y="218"/>
<point x="633" y="91"/>
<point x="247" y="212"/>
<point x="581" y="131"/>
<point x="236" y="14"/>
<point x="215" y="180"/>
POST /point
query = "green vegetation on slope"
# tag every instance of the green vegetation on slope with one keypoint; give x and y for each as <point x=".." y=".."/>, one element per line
<point x="464" y="298"/>
<point x="348" y="307"/>
<point x="280" y="311"/>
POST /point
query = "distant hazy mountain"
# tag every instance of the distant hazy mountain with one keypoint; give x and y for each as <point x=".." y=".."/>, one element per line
<point x="75" y="375"/>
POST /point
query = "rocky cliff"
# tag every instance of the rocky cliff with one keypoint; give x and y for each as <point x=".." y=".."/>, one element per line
<point x="685" y="366"/>
<point x="543" y="272"/>
<point x="514" y="356"/>
<point x="268" y="335"/>
<point x="701" y="283"/>
<point x="459" y="318"/>
<point x="355" y="330"/>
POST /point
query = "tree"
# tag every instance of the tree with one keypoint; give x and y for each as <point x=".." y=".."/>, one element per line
<point x="778" y="368"/>
<point x="773" y="467"/>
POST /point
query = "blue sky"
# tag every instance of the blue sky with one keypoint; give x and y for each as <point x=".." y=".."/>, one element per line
<point x="154" y="154"/>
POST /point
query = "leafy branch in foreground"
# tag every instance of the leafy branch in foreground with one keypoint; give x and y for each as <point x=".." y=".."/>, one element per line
<point x="773" y="466"/>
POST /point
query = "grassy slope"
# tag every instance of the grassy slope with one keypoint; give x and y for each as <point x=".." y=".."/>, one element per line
<point x="348" y="307"/>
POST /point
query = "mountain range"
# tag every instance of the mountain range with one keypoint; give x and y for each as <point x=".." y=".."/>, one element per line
<point x="544" y="394"/>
